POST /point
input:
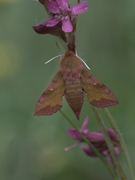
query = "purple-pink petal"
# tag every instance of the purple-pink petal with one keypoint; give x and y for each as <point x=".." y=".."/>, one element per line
<point x="79" y="8"/>
<point x="43" y="29"/>
<point x="117" y="150"/>
<point x="66" y="149"/>
<point x="95" y="137"/>
<point x="112" y="134"/>
<point x="108" y="156"/>
<point x="84" y="124"/>
<point x="88" y="151"/>
<point x="107" y="152"/>
<point x="52" y="7"/>
<point x="39" y="28"/>
<point x="85" y="131"/>
<point x="51" y="23"/>
<point x="66" y="25"/>
<point x="73" y="134"/>
<point x="63" y="4"/>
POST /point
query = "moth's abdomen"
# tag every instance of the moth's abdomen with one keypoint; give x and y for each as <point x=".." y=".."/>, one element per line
<point x="74" y="96"/>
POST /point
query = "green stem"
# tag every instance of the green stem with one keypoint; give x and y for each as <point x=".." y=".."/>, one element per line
<point x="122" y="142"/>
<point x="109" y="143"/>
<point x="111" y="170"/>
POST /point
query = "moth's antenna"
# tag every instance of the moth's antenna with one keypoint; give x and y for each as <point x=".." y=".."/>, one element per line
<point x="60" y="55"/>
<point x="59" y="50"/>
<point x="83" y="62"/>
<point x="56" y="56"/>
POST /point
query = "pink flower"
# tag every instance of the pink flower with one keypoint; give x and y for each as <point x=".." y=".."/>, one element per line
<point x="97" y="139"/>
<point x="61" y="16"/>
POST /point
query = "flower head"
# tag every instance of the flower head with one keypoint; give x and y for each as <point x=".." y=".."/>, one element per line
<point x="97" y="139"/>
<point x="61" y="15"/>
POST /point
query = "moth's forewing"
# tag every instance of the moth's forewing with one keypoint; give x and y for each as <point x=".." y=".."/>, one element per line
<point x="99" y="95"/>
<point x="71" y="67"/>
<point x="51" y="100"/>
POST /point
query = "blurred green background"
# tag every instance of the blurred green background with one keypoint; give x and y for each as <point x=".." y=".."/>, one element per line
<point x="33" y="148"/>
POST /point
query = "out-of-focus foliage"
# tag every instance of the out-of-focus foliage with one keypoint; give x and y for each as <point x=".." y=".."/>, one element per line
<point x="33" y="148"/>
<point x="8" y="1"/>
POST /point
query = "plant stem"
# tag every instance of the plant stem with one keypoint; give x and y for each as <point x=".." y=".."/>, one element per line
<point x="122" y="142"/>
<point x="111" y="170"/>
<point x="109" y="143"/>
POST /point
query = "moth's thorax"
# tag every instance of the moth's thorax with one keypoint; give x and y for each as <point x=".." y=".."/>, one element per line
<point x="71" y="66"/>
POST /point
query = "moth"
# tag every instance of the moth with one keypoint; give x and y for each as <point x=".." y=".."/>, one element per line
<point x="73" y="81"/>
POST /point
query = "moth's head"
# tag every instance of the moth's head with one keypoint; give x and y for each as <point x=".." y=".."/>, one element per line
<point x="69" y="54"/>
